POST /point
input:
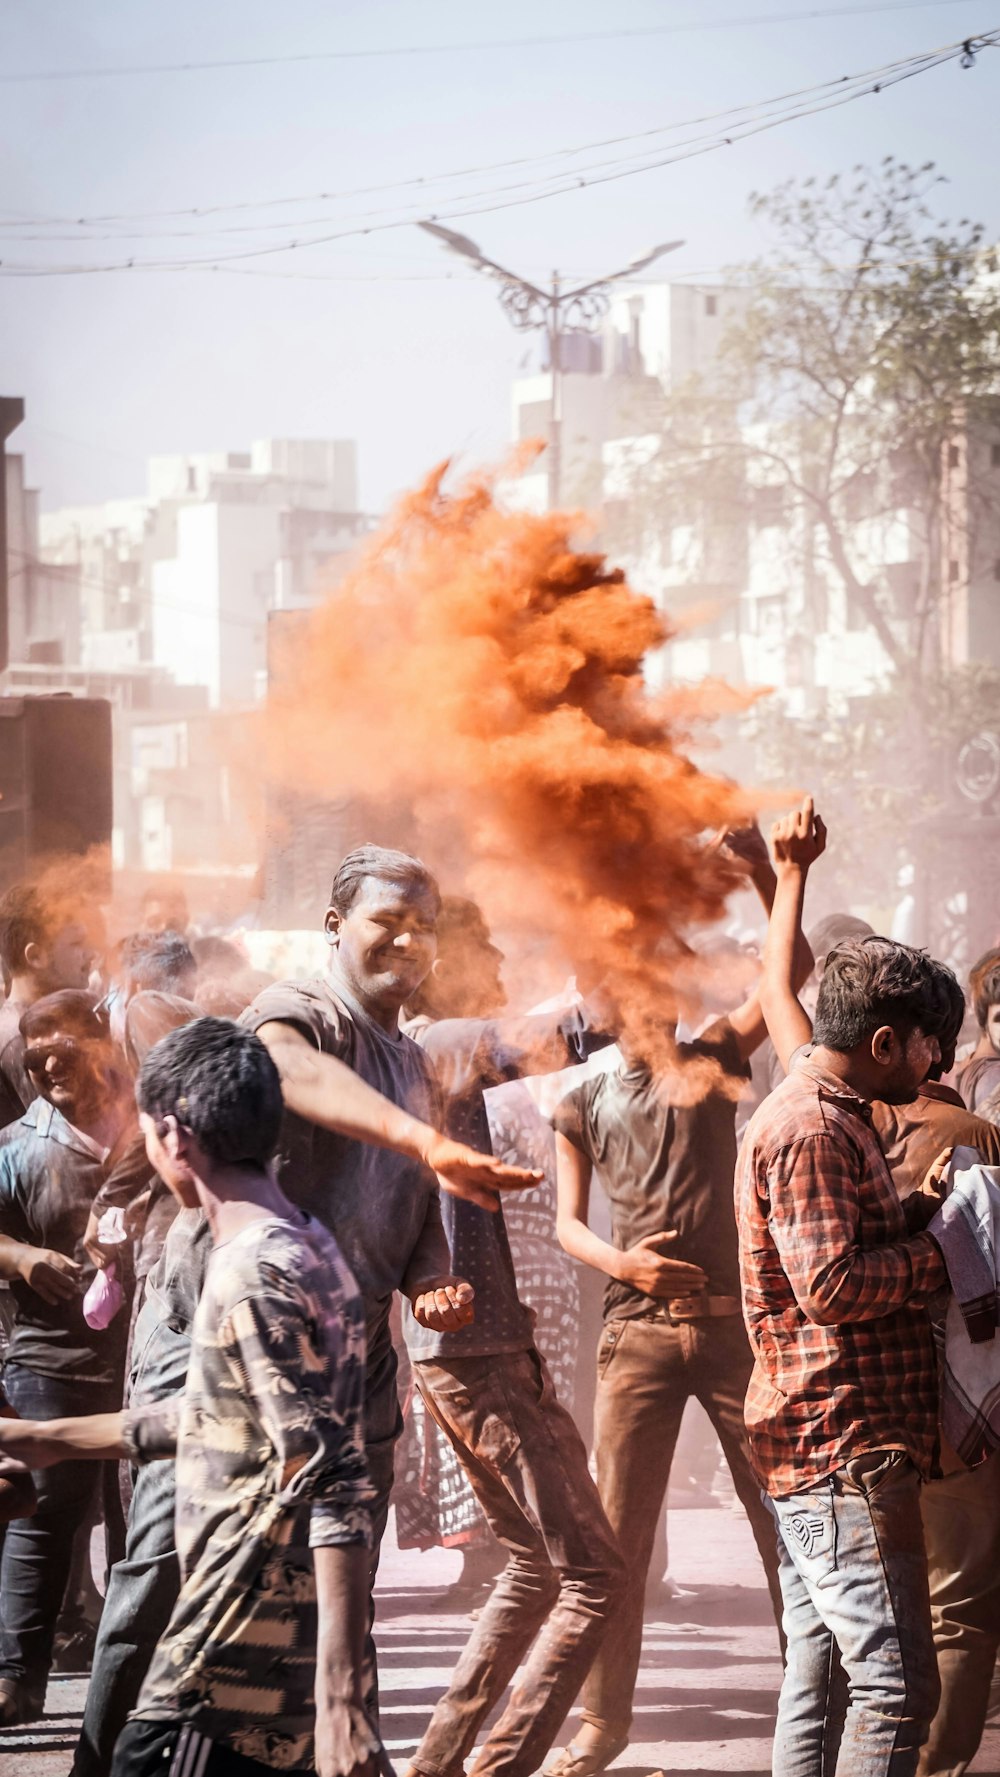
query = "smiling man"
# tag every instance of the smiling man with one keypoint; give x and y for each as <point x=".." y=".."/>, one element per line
<point x="52" y="1162"/>
<point x="360" y="1147"/>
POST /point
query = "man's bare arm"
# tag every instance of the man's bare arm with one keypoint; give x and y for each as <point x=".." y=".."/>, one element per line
<point x="799" y="838"/>
<point x="41" y="1443"/>
<point x="326" y="1091"/>
<point x="748" y="1020"/>
<point x="346" y="1742"/>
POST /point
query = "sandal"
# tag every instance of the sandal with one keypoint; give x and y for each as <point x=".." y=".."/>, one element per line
<point x="573" y="1761"/>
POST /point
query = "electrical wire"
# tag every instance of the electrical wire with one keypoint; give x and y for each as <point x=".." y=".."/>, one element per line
<point x="430" y="49"/>
<point x="755" y="106"/>
<point x="860" y="86"/>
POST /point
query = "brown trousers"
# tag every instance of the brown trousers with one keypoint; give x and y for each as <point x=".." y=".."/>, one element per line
<point x="646" y="1371"/>
<point x="528" y="1469"/>
<point x="962" y="1529"/>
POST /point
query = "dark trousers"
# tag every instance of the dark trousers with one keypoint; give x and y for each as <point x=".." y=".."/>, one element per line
<point x="647" y="1370"/>
<point x="528" y="1469"/>
<point x="38" y="1551"/>
<point x="142" y="1591"/>
<point x="173" y="1749"/>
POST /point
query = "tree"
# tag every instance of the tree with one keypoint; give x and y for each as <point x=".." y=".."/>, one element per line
<point x="847" y="413"/>
<point x="865" y="351"/>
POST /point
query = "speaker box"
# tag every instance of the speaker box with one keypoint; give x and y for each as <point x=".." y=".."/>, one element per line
<point x="55" y="781"/>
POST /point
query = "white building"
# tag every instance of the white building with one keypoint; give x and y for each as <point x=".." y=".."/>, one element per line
<point x="184" y="576"/>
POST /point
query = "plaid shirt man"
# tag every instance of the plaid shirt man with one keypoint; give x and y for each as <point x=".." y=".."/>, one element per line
<point x="833" y="1290"/>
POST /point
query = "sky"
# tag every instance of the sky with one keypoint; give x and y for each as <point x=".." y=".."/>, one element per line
<point x="383" y="337"/>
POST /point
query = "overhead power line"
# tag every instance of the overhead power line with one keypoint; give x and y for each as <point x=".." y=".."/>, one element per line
<point x="424" y="181"/>
<point x="768" y="116"/>
<point x="382" y="52"/>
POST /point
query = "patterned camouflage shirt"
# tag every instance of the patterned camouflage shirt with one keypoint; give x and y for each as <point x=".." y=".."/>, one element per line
<point x="270" y="1464"/>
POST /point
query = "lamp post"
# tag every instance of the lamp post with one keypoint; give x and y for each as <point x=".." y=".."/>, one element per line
<point x="554" y="311"/>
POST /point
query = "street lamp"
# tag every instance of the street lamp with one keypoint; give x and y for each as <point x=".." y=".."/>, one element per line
<point x="554" y="310"/>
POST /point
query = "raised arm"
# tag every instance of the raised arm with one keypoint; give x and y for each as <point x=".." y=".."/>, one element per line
<point x="326" y="1091"/>
<point x="799" y="838"/>
<point x="643" y="1265"/>
<point x="748" y="1021"/>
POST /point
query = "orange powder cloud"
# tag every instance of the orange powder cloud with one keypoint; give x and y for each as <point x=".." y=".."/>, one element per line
<point x="480" y="667"/>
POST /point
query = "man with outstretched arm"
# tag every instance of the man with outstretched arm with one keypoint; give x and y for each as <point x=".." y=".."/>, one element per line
<point x="842" y="1405"/>
<point x="360" y="1145"/>
<point x="261" y="1665"/>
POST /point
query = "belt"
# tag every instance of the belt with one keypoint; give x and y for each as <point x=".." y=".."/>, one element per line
<point x="679" y="1309"/>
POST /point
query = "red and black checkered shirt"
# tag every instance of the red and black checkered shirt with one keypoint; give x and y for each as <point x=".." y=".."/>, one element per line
<point x="833" y="1290"/>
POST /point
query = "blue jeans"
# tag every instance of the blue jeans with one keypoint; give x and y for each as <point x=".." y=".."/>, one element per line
<point x="38" y="1551"/>
<point x="861" y="1683"/>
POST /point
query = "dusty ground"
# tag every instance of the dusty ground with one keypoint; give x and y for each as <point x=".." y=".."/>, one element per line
<point x="706" y="1690"/>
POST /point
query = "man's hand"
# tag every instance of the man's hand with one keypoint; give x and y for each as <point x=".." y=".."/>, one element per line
<point x="445" y="1308"/>
<point x="749" y="847"/>
<point x="346" y="1743"/>
<point x="799" y="838"/>
<point x="646" y="1268"/>
<point x="17" y="1491"/>
<point x="51" y="1275"/>
<point x="477" y="1178"/>
<point x="96" y="1253"/>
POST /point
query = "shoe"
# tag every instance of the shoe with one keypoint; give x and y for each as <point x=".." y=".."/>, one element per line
<point x="19" y="1703"/>
<point x="574" y="1762"/>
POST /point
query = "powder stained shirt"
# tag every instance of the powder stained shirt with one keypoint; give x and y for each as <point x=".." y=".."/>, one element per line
<point x="270" y="1465"/>
<point x="834" y="1293"/>
<point x="50" y="1174"/>
<point x="383" y="1208"/>
<point x="470" y="1055"/>
<point x="664" y="1165"/>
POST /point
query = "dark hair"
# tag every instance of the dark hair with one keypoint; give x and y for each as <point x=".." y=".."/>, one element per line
<point x="984" y="985"/>
<point x="220" y="1082"/>
<point x="868" y="982"/>
<point x="951" y="1007"/>
<point x="384" y="866"/>
<point x="827" y="933"/>
<point x="156" y="962"/>
<point x="25" y="918"/>
<point x="72" y="1009"/>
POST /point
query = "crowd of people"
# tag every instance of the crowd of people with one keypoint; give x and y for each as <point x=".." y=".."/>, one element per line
<point x="214" y="1189"/>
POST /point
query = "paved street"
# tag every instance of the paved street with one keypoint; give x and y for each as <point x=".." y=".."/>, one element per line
<point x="706" y="1691"/>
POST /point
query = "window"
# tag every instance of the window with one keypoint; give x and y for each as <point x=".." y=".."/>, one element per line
<point x="996" y="570"/>
<point x="954" y="572"/>
<point x="995" y="456"/>
<point x="954" y="456"/>
<point x="711" y="305"/>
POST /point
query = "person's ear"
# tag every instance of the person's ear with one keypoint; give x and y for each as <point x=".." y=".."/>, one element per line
<point x="884" y="1045"/>
<point x="35" y="957"/>
<point x="332" y="926"/>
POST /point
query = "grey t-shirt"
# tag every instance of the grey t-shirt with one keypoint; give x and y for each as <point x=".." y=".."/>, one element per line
<point x="664" y="1165"/>
<point x="382" y="1208"/>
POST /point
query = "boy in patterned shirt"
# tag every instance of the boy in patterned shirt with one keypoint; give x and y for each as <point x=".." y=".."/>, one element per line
<point x="261" y="1664"/>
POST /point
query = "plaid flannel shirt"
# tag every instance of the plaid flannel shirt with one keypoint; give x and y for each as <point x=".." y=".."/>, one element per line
<point x="833" y="1290"/>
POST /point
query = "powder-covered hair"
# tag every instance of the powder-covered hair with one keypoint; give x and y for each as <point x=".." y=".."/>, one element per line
<point x="384" y="865"/>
